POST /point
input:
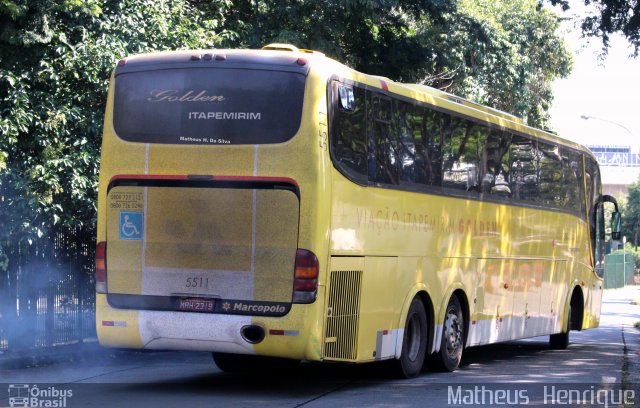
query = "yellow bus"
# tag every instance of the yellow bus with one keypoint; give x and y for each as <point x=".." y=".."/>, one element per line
<point x="275" y="205"/>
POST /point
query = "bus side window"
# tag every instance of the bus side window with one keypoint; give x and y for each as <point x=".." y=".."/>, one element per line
<point x="572" y="180"/>
<point x="427" y="123"/>
<point x="524" y="160"/>
<point x="383" y="149"/>
<point x="349" y="136"/>
<point x="404" y="125"/>
<point x="552" y="191"/>
<point x="495" y="164"/>
<point x="463" y="153"/>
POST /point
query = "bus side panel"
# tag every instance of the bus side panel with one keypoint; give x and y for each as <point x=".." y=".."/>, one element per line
<point x="592" y="288"/>
<point x="379" y="308"/>
<point x="592" y="319"/>
<point x="516" y="299"/>
<point x="554" y="288"/>
<point x="495" y="300"/>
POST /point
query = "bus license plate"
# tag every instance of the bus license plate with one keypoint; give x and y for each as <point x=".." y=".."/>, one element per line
<point x="196" y="305"/>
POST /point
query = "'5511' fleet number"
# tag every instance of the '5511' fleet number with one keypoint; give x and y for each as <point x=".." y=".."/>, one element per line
<point x="197" y="282"/>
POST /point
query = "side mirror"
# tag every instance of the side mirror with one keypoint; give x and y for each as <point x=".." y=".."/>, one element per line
<point x="347" y="98"/>
<point x="616" y="225"/>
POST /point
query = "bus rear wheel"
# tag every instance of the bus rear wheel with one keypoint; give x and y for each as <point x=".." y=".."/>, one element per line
<point x="414" y="342"/>
<point x="450" y="354"/>
<point x="242" y="363"/>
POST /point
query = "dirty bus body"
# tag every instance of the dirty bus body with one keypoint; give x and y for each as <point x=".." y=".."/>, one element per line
<point x="277" y="203"/>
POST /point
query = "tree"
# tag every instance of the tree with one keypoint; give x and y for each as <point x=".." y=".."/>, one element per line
<point x="612" y="16"/>
<point x="55" y="61"/>
<point x="505" y="54"/>
<point x="522" y="56"/>
<point x="378" y="37"/>
<point x="631" y="215"/>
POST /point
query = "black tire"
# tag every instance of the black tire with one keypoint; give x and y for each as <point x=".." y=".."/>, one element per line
<point x="414" y="342"/>
<point x="242" y="363"/>
<point x="452" y="344"/>
<point x="560" y="341"/>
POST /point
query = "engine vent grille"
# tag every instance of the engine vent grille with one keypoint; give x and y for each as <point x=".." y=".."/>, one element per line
<point x="341" y="334"/>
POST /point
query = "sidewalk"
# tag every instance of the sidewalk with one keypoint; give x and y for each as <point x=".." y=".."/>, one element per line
<point x="623" y="306"/>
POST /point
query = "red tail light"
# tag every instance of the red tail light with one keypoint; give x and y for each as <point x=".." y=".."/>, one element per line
<point x="305" y="283"/>
<point x="101" y="267"/>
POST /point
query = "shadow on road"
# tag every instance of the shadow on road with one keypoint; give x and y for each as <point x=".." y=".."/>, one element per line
<point x="480" y="364"/>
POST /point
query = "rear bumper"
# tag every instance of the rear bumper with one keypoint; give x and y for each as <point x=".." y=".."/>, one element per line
<point x="288" y="336"/>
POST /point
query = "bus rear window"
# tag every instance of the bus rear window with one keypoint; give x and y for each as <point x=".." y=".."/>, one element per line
<point x="208" y="106"/>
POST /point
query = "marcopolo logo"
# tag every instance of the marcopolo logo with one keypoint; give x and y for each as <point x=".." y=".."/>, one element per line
<point x="25" y="395"/>
<point x="258" y="308"/>
<point x="252" y="308"/>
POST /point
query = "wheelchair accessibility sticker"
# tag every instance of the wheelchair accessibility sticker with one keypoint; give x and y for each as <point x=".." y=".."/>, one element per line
<point x="131" y="226"/>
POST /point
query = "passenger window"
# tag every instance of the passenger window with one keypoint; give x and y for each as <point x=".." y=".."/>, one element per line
<point x="382" y="108"/>
<point x="495" y="174"/>
<point x="431" y="145"/>
<point x="349" y="136"/>
<point x="524" y="163"/>
<point x="383" y="146"/>
<point x="572" y="179"/>
<point x="462" y="153"/>
<point x="410" y="160"/>
<point x="552" y="191"/>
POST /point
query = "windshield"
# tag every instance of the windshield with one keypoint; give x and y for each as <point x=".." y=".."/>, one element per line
<point x="208" y="106"/>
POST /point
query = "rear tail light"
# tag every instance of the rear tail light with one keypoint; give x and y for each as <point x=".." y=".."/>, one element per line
<point x="101" y="267"/>
<point x="305" y="282"/>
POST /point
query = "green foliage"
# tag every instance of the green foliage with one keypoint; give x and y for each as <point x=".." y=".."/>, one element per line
<point x="521" y="57"/>
<point x="383" y="37"/>
<point x="631" y="215"/>
<point x="612" y="16"/>
<point x="55" y="61"/>
<point x="502" y="53"/>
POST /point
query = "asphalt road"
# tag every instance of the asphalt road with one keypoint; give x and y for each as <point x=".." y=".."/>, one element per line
<point x="600" y="365"/>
